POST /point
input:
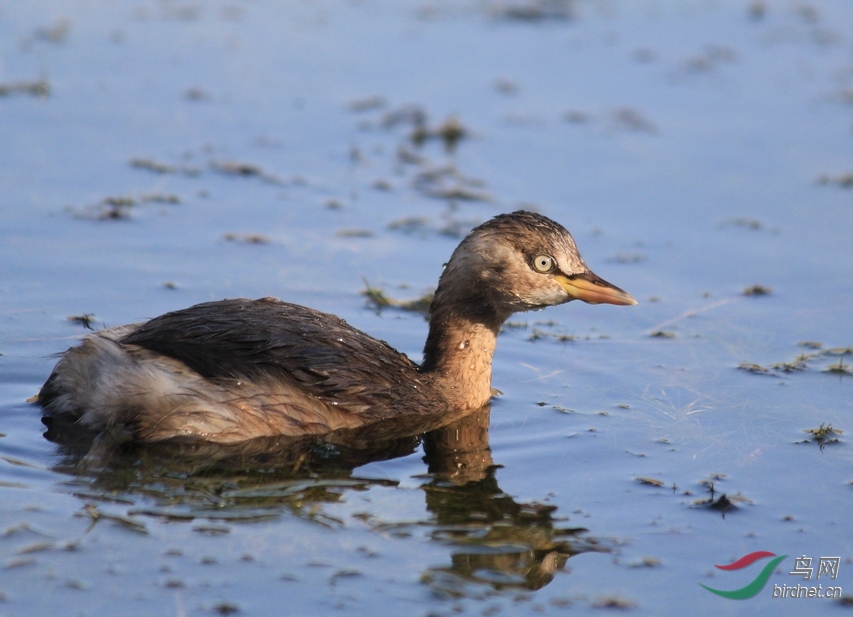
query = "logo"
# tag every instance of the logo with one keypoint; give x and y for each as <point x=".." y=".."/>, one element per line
<point x="827" y="568"/>
<point x="758" y="582"/>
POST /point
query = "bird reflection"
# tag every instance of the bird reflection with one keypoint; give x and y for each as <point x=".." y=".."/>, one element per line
<point x="492" y="539"/>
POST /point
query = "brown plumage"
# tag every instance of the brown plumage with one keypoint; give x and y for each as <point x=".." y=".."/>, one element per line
<point x="238" y="369"/>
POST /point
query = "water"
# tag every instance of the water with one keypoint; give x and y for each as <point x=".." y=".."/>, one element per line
<point x="694" y="149"/>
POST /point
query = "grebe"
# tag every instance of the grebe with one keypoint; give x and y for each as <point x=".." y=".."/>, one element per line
<point x="234" y="370"/>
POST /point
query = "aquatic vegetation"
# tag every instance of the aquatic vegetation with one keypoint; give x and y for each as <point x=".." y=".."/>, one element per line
<point x="246" y="170"/>
<point x="844" y="180"/>
<point x="163" y="168"/>
<point x="840" y="368"/>
<point x="39" y="88"/>
<point x="534" y="10"/>
<point x="662" y="334"/>
<point x="724" y="503"/>
<point x="367" y="103"/>
<point x="120" y="207"/>
<point x="803" y="362"/>
<point x="538" y="334"/>
<point x="450" y="133"/>
<point x="751" y="367"/>
<point x="758" y="290"/>
<point x="86" y="320"/>
<point x="627" y="118"/>
<point x="378" y="300"/>
<point x="246" y="238"/>
<point x="823" y="435"/>
<point x="447" y="182"/>
<point x="744" y="222"/>
<point x="798" y="364"/>
<point x="354" y="233"/>
<point x="650" y="481"/>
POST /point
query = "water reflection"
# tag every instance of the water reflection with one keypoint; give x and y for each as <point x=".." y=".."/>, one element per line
<point x="494" y="542"/>
<point x="494" y="539"/>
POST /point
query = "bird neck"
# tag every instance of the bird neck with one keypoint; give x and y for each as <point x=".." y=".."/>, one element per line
<point x="458" y="356"/>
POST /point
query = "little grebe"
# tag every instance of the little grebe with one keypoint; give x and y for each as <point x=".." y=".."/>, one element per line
<point x="233" y="370"/>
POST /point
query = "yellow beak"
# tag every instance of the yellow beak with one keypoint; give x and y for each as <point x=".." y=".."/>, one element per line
<point x="593" y="289"/>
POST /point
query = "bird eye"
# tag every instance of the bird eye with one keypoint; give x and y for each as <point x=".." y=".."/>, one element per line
<point x="543" y="263"/>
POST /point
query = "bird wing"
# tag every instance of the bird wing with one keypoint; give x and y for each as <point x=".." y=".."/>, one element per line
<point x="286" y="346"/>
